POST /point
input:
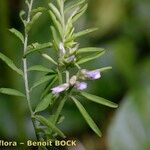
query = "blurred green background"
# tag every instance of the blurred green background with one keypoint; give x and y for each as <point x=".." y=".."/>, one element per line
<point x="124" y="30"/>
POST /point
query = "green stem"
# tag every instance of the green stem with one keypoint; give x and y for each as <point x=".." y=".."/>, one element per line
<point x="25" y="68"/>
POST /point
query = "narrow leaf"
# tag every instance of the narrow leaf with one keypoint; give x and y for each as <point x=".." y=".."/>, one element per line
<point x="13" y="92"/>
<point x="40" y="68"/>
<point x="49" y="58"/>
<point x="17" y="34"/>
<point x="89" y="50"/>
<point x="52" y="127"/>
<point x="36" y="10"/>
<point x="90" y="57"/>
<point x="37" y="47"/>
<point x="80" y="13"/>
<point x="44" y="103"/>
<point x="10" y="63"/>
<point x="87" y="117"/>
<point x="73" y="4"/>
<point x="33" y="20"/>
<point x="49" y="86"/>
<point x="105" y="69"/>
<point x="55" y="11"/>
<point x="56" y="38"/>
<point x="42" y="80"/>
<point x="84" y="32"/>
<point x="99" y="100"/>
<point x="59" y="109"/>
<point x="56" y="23"/>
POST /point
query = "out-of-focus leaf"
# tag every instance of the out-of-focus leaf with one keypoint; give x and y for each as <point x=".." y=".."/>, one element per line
<point x="87" y="117"/>
<point x="99" y="100"/>
<point x="89" y="50"/>
<point x="10" y="63"/>
<point x="33" y="20"/>
<point x="42" y="80"/>
<point x="84" y="32"/>
<point x="90" y="57"/>
<point x="44" y="103"/>
<point x="37" y="47"/>
<point x="51" y="126"/>
<point x="129" y="129"/>
<point x="40" y="68"/>
<point x="13" y="92"/>
<point x="17" y="34"/>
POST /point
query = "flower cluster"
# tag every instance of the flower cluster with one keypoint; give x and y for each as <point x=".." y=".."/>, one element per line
<point x="74" y="81"/>
<point x="67" y="56"/>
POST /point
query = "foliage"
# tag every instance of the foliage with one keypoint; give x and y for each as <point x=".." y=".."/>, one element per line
<point x="61" y="83"/>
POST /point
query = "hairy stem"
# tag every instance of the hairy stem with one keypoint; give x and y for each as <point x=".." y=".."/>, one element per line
<point x="25" y="68"/>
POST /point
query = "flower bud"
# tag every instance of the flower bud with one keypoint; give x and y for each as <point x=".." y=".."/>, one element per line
<point x="70" y="59"/>
<point x="60" y="88"/>
<point x="80" y="85"/>
<point x="62" y="49"/>
<point x="73" y="80"/>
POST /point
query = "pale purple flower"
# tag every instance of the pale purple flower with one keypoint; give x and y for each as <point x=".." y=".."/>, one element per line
<point x="93" y="75"/>
<point x="60" y="88"/>
<point x="81" y="85"/>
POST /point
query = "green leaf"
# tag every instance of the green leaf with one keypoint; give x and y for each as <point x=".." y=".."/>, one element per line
<point x="84" y="32"/>
<point x="17" y="34"/>
<point x="49" y="58"/>
<point x="36" y="10"/>
<point x="73" y="4"/>
<point x="105" y="69"/>
<point x="87" y="117"/>
<point x="44" y="103"/>
<point x="49" y="86"/>
<point x="37" y="47"/>
<point x="59" y="109"/>
<point x="56" y="38"/>
<point x="41" y="81"/>
<point x="21" y="14"/>
<point x="80" y="13"/>
<point x="99" y="100"/>
<point x="90" y="57"/>
<point x="10" y="63"/>
<point x="56" y="23"/>
<point x="55" y="11"/>
<point x="13" y="92"/>
<point x="33" y="20"/>
<point x="51" y="126"/>
<point x="89" y="50"/>
<point x="40" y="68"/>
